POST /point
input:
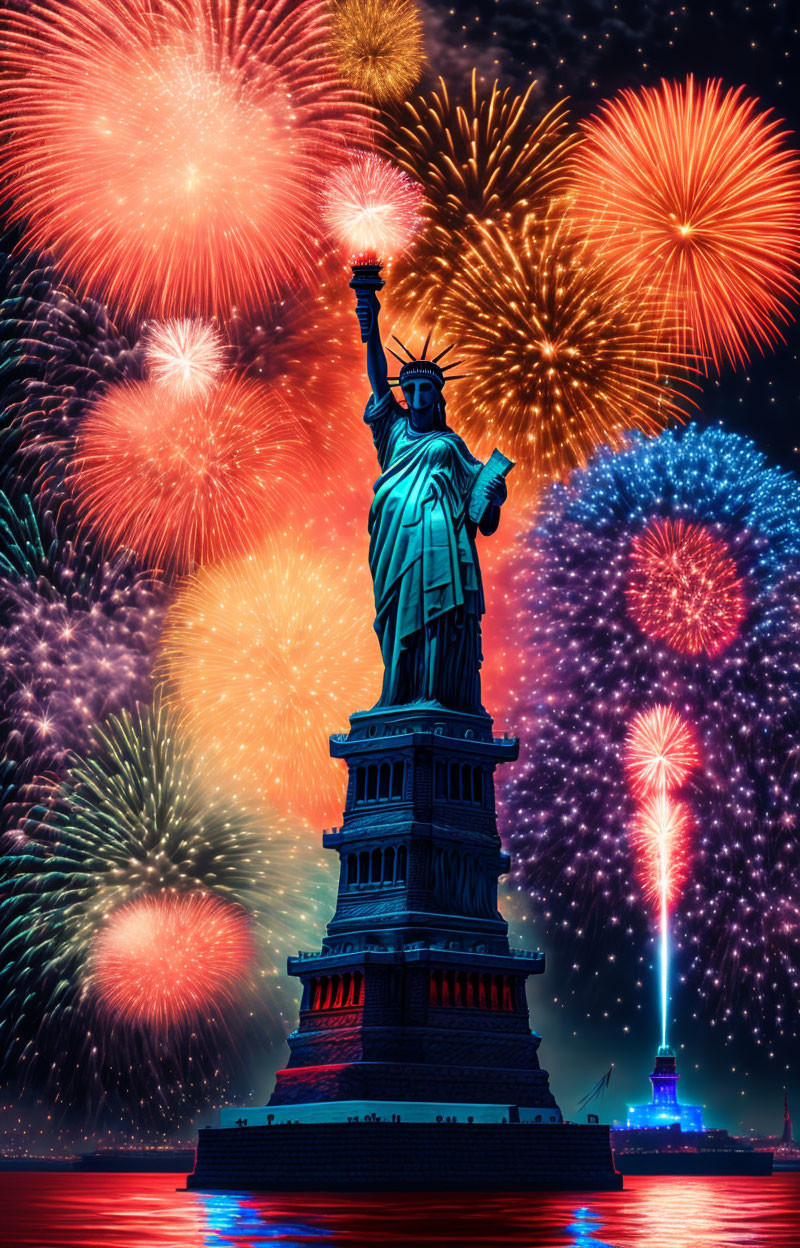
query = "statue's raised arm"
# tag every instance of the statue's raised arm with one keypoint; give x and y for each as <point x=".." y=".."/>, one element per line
<point x="423" y="555"/>
<point x="367" y="310"/>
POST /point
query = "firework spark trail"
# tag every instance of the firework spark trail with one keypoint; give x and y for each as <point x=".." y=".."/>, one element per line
<point x="191" y="136"/>
<point x="660" y="836"/>
<point x="688" y="192"/>
<point x="559" y="359"/>
<point x="480" y="160"/>
<point x="138" y="829"/>
<point x="660" y="754"/>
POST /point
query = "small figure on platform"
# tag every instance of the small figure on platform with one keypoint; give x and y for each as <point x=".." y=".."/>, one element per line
<point x="431" y="499"/>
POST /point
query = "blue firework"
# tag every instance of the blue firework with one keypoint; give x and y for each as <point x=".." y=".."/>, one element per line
<point x="569" y="806"/>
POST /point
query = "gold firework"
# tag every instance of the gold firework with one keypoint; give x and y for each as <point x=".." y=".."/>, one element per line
<point x="479" y="161"/>
<point x="560" y="360"/>
<point x="264" y="655"/>
<point x="377" y="45"/>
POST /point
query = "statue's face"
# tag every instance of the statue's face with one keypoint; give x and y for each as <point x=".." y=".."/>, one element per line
<point x="420" y="395"/>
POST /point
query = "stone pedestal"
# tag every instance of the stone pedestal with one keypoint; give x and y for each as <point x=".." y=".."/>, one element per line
<point x="416" y="1004"/>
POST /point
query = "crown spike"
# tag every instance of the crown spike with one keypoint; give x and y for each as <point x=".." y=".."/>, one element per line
<point x="425" y="345"/>
<point x="405" y="348"/>
<point x="399" y="358"/>
<point x="442" y="354"/>
<point x="455" y="364"/>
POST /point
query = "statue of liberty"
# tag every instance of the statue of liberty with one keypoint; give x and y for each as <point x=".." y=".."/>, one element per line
<point x="431" y="499"/>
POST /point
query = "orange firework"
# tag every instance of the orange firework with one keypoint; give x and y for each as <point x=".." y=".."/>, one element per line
<point x="685" y="587"/>
<point x="661" y="751"/>
<point x="166" y="960"/>
<point x="477" y="160"/>
<point x="264" y="657"/>
<point x="560" y="360"/>
<point x="377" y="45"/>
<point x="186" y="478"/>
<point x="371" y="208"/>
<point x="186" y="356"/>
<point x="660" y="837"/>
<point x="691" y="194"/>
<point x="172" y="153"/>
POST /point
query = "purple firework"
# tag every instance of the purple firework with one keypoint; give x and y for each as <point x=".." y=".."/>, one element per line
<point x="568" y="808"/>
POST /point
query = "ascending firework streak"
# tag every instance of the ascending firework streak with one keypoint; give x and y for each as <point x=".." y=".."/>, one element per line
<point x="660" y="754"/>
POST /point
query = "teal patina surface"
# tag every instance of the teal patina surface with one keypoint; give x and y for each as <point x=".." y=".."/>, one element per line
<point x="423" y="555"/>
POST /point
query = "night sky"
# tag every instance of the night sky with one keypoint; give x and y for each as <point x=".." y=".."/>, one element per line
<point x="599" y="1007"/>
<point x="595" y="1016"/>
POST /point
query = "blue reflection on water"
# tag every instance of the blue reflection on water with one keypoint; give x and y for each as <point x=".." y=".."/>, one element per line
<point x="231" y="1222"/>
<point x="582" y="1229"/>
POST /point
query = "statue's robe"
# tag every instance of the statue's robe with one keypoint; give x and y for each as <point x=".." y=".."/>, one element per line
<point x="424" y="564"/>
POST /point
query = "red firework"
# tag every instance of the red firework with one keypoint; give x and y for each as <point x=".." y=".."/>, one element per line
<point x="163" y="962"/>
<point x="660" y="836"/>
<point x="173" y="153"/>
<point x="661" y="751"/>
<point x="185" y="479"/>
<point x="685" y="588"/>
<point x="689" y="193"/>
<point x="372" y="209"/>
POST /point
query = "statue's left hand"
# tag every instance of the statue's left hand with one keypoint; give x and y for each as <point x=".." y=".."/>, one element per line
<point x="497" y="494"/>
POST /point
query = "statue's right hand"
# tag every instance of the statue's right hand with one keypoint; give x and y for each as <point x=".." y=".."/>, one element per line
<point x="367" y="308"/>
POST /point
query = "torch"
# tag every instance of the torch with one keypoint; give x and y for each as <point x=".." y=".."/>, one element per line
<point x="373" y="210"/>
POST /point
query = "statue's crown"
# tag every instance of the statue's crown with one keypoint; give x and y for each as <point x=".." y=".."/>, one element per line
<point x="416" y="367"/>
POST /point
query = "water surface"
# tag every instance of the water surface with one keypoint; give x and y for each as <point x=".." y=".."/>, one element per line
<point x="146" y="1211"/>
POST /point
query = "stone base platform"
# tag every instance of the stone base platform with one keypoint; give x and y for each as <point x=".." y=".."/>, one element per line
<point x="404" y="1156"/>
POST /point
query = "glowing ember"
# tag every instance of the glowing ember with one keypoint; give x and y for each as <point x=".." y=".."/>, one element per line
<point x="163" y="961"/>
<point x="685" y="588"/>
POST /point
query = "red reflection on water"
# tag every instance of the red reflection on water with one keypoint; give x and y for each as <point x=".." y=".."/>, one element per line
<point x="145" y="1211"/>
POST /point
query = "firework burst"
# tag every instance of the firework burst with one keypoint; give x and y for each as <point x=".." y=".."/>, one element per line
<point x="162" y="962"/>
<point x="559" y="359"/>
<point x="371" y="208"/>
<point x="192" y="137"/>
<point x="79" y="639"/>
<point x="378" y="46"/>
<point x="601" y="675"/>
<point x="186" y="357"/>
<point x="184" y="479"/>
<point x="263" y="657"/>
<point x="58" y="353"/>
<point x="689" y="192"/>
<point x="685" y="588"/>
<point x="480" y="160"/>
<point x="660" y="751"/>
<point x="140" y="843"/>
